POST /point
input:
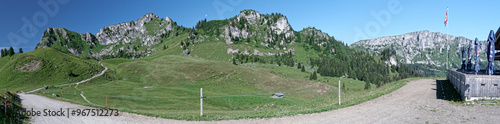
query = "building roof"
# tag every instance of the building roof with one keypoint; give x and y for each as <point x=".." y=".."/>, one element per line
<point x="279" y="94"/>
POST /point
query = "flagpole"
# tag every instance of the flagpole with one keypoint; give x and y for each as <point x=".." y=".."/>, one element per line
<point x="447" y="42"/>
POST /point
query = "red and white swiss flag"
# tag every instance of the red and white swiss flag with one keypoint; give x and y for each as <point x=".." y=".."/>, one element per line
<point x="446" y="20"/>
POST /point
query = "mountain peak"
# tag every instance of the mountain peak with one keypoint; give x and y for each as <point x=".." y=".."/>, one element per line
<point x="422" y="31"/>
<point x="314" y="31"/>
<point x="250" y="15"/>
<point x="168" y="19"/>
<point x="148" y="17"/>
<point x="270" y="30"/>
<point x="421" y="47"/>
<point x="249" y="12"/>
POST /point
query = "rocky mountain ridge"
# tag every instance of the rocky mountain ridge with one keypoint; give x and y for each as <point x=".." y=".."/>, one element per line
<point x="111" y="40"/>
<point x="249" y="23"/>
<point x="422" y="47"/>
<point x="131" y="30"/>
<point x="249" y="37"/>
<point x="65" y="38"/>
<point x="146" y="35"/>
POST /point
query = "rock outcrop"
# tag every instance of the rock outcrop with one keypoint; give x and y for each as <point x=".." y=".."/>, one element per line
<point x="250" y="23"/>
<point x="124" y="38"/>
<point x="74" y="42"/>
<point x="132" y="30"/>
<point x="145" y="35"/>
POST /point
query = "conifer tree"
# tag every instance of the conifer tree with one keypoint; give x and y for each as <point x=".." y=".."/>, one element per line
<point x="11" y="51"/>
<point x="234" y="62"/>
<point x="367" y="85"/>
<point x="5" y="52"/>
<point x="315" y="76"/>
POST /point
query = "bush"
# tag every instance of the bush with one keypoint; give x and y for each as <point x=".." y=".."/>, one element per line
<point x="367" y="86"/>
<point x="313" y="76"/>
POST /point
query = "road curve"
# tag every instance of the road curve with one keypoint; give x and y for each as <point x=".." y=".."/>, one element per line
<point x="83" y="81"/>
<point x="39" y="103"/>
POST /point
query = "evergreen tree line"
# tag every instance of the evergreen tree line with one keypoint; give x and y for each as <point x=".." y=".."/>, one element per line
<point x="404" y="70"/>
<point x="211" y="28"/>
<point x="9" y="52"/>
<point x="338" y="59"/>
<point x="74" y="39"/>
<point x="413" y="70"/>
<point x="242" y="58"/>
<point x="277" y="38"/>
<point x="334" y="58"/>
<point x="387" y="53"/>
<point x="200" y="23"/>
<point x="285" y="59"/>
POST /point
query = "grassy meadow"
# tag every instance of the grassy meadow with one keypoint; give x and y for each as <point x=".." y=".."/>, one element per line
<point x="168" y="86"/>
<point x="44" y="67"/>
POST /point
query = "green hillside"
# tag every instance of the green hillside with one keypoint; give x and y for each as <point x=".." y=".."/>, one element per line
<point x="158" y="69"/>
<point x="312" y="48"/>
<point x="44" y="67"/>
<point x="249" y="37"/>
<point x="168" y="86"/>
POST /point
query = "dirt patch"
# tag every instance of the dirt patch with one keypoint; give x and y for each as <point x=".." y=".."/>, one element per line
<point x="31" y="66"/>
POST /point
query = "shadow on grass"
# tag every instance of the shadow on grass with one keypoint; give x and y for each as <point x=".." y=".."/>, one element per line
<point x="445" y="91"/>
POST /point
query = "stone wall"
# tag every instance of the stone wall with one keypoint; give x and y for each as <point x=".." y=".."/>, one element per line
<point x="473" y="87"/>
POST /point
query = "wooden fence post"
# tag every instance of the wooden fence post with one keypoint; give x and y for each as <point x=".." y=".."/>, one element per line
<point x="201" y="102"/>
<point x="5" y="106"/>
<point x="339" y="93"/>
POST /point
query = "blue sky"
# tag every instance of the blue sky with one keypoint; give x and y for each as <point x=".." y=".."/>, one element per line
<point x="346" y="20"/>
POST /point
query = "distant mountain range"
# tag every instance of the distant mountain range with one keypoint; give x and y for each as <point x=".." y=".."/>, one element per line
<point x="134" y="38"/>
<point x="249" y="37"/>
<point x="142" y="37"/>
<point x="426" y="51"/>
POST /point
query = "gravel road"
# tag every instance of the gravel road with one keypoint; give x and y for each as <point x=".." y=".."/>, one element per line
<point x="83" y="81"/>
<point x="415" y="102"/>
<point x="39" y="103"/>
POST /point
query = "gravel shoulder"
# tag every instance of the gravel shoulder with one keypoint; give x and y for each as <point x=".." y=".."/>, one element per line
<point x="39" y="103"/>
<point x="416" y="102"/>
